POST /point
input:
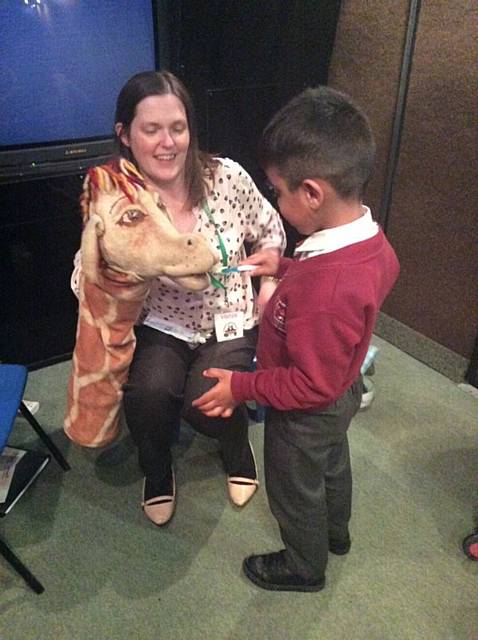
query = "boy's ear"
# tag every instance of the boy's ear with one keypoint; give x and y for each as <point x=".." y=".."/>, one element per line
<point x="314" y="192"/>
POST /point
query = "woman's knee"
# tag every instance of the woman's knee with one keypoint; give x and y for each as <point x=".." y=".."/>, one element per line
<point x="156" y="394"/>
<point x="158" y="368"/>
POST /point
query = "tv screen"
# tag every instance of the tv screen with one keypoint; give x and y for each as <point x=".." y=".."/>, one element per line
<point x="62" y="64"/>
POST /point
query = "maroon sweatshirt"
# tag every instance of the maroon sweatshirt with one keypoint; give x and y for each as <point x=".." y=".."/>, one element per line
<point x="317" y="326"/>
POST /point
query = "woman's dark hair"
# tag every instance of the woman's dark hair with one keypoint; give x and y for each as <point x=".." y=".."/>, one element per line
<point x="199" y="165"/>
<point x="320" y="133"/>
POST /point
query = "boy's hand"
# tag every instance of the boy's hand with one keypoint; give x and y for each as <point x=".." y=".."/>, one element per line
<point x="266" y="261"/>
<point x="218" y="402"/>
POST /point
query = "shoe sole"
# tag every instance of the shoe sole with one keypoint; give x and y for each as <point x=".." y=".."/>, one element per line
<point x="281" y="587"/>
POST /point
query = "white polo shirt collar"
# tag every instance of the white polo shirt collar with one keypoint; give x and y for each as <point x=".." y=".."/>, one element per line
<point x="336" y="238"/>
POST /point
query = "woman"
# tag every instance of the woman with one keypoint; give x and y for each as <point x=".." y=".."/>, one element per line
<point x="182" y="332"/>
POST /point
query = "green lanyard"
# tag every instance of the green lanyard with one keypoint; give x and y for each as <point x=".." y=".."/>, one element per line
<point x="214" y="281"/>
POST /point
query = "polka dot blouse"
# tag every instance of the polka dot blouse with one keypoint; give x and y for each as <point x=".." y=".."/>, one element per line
<point x="241" y="215"/>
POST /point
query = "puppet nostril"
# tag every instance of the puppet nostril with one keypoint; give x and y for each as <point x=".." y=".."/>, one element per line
<point x="190" y="242"/>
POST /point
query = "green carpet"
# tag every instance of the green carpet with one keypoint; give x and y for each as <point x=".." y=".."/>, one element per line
<point x="109" y="574"/>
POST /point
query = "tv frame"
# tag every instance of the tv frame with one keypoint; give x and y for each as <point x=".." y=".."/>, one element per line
<point x="70" y="156"/>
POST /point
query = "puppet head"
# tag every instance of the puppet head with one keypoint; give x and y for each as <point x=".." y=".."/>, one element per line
<point x="127" y="233"/>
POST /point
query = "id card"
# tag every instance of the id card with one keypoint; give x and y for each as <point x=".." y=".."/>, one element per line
<point x="229" y="325"/>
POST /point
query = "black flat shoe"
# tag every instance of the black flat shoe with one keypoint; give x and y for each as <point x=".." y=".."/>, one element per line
<point x="270" y="571"/>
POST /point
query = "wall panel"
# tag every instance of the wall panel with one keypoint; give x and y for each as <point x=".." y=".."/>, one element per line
<point x="432" y="221"/>
<point x="366" y="64"/>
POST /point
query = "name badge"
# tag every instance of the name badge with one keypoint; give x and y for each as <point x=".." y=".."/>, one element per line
<point x="229" y="325"/>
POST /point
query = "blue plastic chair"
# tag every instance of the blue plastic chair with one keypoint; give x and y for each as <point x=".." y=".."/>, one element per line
<point x="13" y="379"/>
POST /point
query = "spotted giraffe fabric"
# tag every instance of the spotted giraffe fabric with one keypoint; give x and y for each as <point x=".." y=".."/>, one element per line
<point x="127" y="241"/>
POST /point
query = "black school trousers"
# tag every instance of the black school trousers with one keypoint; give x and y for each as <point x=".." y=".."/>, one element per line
<point x="164" y="377"/>
<point x="309" y="479"/>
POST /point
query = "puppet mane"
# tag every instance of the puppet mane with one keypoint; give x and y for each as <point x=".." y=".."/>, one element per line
<point x="115" y="176"/>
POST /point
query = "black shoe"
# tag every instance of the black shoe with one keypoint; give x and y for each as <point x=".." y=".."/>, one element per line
<point x="340" y="548"/>
<point x="270" y="571"/>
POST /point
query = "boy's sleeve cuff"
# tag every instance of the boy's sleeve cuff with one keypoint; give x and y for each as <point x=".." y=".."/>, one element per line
<point x="241" y="383"/>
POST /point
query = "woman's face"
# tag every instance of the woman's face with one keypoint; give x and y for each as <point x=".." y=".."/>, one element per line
<point x="159" y="140"/>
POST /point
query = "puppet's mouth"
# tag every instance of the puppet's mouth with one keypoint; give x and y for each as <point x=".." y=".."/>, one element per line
<point x="118" y="276"/>
<point x="194" y="268"/>
<point x="194" y="282"/>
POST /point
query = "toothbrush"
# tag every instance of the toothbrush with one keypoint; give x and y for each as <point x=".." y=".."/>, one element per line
<point x="239" y="268"/>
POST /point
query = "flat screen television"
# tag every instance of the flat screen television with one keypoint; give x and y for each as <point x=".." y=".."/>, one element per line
<point x="62" y="64"/>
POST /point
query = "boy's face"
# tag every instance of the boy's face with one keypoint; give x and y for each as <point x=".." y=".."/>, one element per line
<point x="293" y="205"/>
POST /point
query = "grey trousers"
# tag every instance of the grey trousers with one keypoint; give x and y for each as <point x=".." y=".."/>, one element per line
<point x="309" y="478"/>
<point x="164" y="377"/>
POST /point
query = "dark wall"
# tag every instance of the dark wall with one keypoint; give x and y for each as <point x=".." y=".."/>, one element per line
<point x="243" y="60"/>
<point x="40" y="226"/>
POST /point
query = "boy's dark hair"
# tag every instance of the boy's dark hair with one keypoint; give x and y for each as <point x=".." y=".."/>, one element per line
<point x="320" y="133"/>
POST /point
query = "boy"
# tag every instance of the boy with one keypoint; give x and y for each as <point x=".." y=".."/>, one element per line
<point x="317" y="152"/>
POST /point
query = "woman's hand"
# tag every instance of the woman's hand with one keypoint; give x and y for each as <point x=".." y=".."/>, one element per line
<point x="218" y="402"/>
<point x="266" y="261"/>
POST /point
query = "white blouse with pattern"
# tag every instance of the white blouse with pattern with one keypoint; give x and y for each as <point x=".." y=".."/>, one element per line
<point x="242" y="215"/>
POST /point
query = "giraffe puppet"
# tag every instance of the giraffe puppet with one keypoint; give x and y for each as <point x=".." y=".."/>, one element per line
<point x="127" y="241"/>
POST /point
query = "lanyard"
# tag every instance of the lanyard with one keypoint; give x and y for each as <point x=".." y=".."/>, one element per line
<point x="214" y="281"/>
<point x="208" y="212"/>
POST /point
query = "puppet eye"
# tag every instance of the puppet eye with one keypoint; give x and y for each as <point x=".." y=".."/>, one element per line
<point x="131" y="217"/>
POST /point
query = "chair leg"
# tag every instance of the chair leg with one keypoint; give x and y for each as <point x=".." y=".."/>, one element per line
<point x="18" y="565"/>
<point x="56" y="453"/>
